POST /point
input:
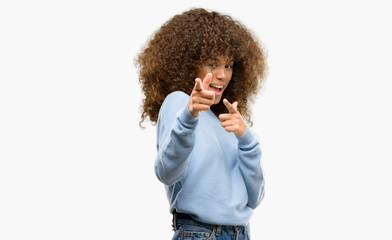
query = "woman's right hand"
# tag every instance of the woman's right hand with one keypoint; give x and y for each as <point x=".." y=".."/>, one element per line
<point x="201" y="98"/>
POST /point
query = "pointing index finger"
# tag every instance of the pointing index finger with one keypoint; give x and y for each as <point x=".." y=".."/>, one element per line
<point x="206" y="81"/>
<point x="231" y="107"/>
<point x="198" y="84"/>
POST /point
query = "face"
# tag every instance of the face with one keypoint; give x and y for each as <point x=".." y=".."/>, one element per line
<point x="222" y="70"/>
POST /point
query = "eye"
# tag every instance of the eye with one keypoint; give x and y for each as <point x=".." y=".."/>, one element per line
<point x="229" y="66"/>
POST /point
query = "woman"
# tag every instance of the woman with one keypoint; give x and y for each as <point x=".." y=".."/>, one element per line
<point x="199" y="73"/>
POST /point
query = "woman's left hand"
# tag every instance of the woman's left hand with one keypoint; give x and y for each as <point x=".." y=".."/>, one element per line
<point x="233" y="121"/>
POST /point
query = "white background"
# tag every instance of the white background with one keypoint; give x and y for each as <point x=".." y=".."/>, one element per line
<point x="74" y="163"/>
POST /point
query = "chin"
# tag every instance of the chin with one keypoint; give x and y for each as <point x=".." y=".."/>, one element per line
<point x="217" y="100"/>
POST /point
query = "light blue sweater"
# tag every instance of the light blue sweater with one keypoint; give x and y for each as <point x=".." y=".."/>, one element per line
<point x="208" y="173"/>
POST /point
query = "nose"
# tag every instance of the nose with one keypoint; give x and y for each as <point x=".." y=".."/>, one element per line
<point x="219" y="72"/>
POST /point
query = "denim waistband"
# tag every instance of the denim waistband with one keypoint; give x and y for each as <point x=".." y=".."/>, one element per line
<point x="181" y="218"/>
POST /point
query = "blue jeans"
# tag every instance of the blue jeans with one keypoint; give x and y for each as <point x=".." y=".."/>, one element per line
<point x="190" y="229"/>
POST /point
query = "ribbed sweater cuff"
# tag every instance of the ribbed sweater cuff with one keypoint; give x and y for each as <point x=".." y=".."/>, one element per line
<point x="246" y="139"/>
<point x="187" y="118"/>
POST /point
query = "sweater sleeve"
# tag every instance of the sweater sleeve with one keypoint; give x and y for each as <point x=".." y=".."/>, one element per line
<point x="175" y="138"/>
<point x="249" y="154"/>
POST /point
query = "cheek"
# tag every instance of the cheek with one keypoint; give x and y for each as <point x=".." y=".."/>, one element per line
<point x="229" y="79"/>
<point x="229" y="75"/>
<point x="203" y="72"/>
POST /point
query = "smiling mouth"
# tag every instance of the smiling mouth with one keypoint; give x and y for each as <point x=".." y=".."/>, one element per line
<point x="217" y="89"/>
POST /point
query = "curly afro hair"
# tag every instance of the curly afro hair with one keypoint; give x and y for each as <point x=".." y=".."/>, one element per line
<point x="172" y="57"/>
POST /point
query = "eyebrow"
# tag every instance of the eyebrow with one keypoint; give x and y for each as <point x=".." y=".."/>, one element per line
<point x="217" y="61"/>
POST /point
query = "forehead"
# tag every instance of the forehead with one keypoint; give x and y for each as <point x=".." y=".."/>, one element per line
<point x="223" y="58"/>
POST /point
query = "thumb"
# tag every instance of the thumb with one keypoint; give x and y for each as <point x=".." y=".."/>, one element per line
<point x="235" y="104"/>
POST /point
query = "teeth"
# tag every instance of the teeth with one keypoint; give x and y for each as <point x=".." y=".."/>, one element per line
<point x="216" y="86"/>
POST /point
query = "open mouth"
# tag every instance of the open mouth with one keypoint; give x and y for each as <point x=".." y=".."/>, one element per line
<point x="217" y="89"/>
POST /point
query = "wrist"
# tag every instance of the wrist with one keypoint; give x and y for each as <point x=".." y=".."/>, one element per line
<point x="191" y="109"/>
<point x="240" y="132"/>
